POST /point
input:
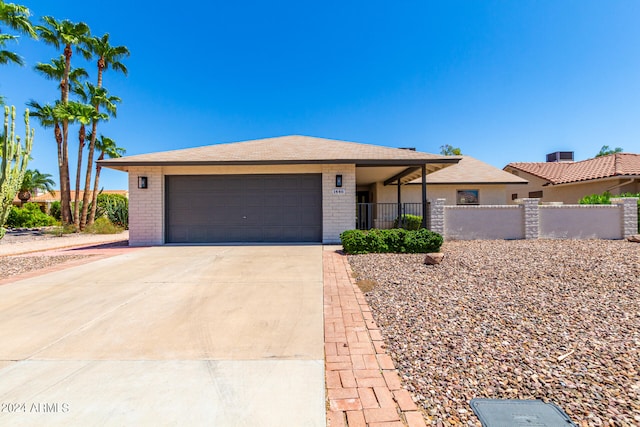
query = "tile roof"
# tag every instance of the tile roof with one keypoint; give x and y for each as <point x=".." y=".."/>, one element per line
<point x="619" y="164"/>
<point x="471" y="171"/>
<point x="48" y="198"/>
<point x="285" y="149"/>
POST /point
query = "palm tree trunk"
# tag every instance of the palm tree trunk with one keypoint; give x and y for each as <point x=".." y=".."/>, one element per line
<point x="94" y="199"/>
<point x="65" y="189"/>
<point x="87" y="178"/>
<point x="76" y="206"/>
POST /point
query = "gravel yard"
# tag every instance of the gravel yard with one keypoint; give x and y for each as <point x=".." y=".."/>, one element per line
<point x="557" y="320"/>
<point x="11" y="266"/>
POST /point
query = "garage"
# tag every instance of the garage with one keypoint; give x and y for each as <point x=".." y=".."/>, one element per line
<point x="243" y="208"/>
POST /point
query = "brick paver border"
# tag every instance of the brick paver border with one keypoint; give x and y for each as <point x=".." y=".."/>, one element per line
<point x="363" y="386"/>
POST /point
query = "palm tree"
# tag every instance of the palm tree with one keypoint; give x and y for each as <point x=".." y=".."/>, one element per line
<point x="47" y="118"/>
<point x="15" y="17"/>
<point x="70" y="35"/>
<point x="82" y="114"/>
<point x="108" y="57"/>
<point x="56" y="71"/>
<point x="107" y="147"/>
<point x="96" y="96"/>
<point x="34" y="180"/>
<point x="7" y="56"/>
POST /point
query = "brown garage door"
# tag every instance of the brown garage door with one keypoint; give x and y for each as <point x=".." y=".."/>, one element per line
<point x="243" y="208"/>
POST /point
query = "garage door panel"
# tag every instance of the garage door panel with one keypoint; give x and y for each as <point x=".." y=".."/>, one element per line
<point x="244" y="208"/>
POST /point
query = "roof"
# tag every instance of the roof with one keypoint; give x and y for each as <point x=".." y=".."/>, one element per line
<point x="293" y="149"/>
<point x="471" y="171"/>
<point x="613" y="165"/>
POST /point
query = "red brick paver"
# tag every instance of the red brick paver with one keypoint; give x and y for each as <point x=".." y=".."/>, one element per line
<point x="363" y="386"/>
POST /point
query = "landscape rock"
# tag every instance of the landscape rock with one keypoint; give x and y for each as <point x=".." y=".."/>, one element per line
<point x="433" y="258"/>
<point x="635" y="238"/>
<point x="557" y="320"/>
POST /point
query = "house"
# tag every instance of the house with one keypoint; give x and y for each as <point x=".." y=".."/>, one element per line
<point x="45" y="200"/>
<point x="560" y="179"/>
<point x="284" y="189"/>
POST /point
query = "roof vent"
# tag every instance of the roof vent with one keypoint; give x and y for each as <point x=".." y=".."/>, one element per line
<point x="560" y="156"/>
<point x="408" y="148"/>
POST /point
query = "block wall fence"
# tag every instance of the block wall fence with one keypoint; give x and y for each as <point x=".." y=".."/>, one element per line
<point x="531" y="220"/>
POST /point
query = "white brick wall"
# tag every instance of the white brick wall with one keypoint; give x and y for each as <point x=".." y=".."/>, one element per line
<point x="146" y="207"/>
<point x="629" y="215"/>
<point x="338" y="210"/>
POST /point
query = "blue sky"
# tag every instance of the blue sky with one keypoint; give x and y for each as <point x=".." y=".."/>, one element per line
<point x="503" y="80"/>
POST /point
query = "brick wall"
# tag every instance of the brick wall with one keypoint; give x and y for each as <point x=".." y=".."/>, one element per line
<point x="146" y="207"/>
<point x="338" y="210"/>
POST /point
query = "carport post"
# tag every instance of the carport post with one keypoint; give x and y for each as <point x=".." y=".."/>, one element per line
<point x="424" y="196"/>
<point x="399" y="205"/>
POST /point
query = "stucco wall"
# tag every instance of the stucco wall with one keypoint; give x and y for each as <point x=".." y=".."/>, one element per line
<point x="580" y="222"/>
<point x="483" y="222"/>
<point x="488" y="194"/>
<point x="146" y="206"/>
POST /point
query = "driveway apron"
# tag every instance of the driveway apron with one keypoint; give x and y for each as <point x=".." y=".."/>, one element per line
<point x="171" y="335"/>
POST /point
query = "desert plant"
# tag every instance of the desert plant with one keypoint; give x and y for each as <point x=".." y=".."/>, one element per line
<point x="102" y="225"/>
<point x="29" y="216"/>
<point x="115" y="207"/>
<point x="15" y="158"/>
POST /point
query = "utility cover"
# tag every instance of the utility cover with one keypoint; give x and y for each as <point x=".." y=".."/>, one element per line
<point x="519" y="413"/>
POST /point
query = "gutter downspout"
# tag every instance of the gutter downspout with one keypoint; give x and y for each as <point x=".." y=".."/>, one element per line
<point x="621" y="185"/>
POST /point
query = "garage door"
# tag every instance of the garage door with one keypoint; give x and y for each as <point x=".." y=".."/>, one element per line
<point x="243" y="208"/>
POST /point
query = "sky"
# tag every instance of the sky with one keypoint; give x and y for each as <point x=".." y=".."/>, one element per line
<point x="504" y="81"/>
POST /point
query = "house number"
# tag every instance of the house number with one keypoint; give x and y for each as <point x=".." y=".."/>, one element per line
<point x="339" y="191"/>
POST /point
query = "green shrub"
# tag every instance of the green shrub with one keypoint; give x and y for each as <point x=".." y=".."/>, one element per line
<point x="103" y="225"/>
<point x="115" y="207"/>
<point x="353" y="241"/>
<point x="29" y="216"/>
<point x="55" y="210"/>
<point x="394" y="240"/>
<point x="409" y="222"/>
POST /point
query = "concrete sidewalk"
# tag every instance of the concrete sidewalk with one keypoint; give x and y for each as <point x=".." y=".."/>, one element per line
<point x="224" y="336"/>
<point x="65" y="241"/>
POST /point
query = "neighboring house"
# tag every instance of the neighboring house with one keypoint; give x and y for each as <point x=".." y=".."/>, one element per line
<point x="45" y="199"/>
<point x="285" y="189"/>
<point x="559" y="180"/>
<point x="470" y="182"/>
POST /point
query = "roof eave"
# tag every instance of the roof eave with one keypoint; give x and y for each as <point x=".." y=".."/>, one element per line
<point x="115" y="164"/>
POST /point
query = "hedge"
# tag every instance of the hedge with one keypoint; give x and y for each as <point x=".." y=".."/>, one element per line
<point x="396" y="240"/>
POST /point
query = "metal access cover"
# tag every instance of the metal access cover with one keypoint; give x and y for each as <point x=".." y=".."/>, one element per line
<point x="517" y="413"/>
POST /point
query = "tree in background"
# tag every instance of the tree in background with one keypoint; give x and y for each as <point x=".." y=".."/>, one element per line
<point x="33" y="181"/>
<point x="605" y="151"/>
<point x="70" y="35"/>
<point x="107" y="147"/>
<point x="448" y="150"/>
<point x="77" y="112"/>
<point x="96" y="97"/>
<point x="108" y="57"/>
<point x="15" y="158"/>
<point x="15" y="17"/>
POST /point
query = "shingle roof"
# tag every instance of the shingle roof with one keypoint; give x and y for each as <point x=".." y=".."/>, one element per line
<point x="619" y="164"/>
<point x="471" y="171"/>
<point x="282" y="150"/>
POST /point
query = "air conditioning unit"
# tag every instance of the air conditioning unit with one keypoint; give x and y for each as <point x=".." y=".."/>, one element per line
<point x="560" y="156"/>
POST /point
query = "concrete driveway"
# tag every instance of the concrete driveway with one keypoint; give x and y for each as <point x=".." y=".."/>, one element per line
<point x="193" y="335"/>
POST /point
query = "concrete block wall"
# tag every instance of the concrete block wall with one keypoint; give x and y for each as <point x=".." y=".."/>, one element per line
<point x="338" y="207"/>
<point x="531" y="218"/>
<point x="146" y="207"/>
<point x="629" y="214"/>
<point x="437" y="216"/>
